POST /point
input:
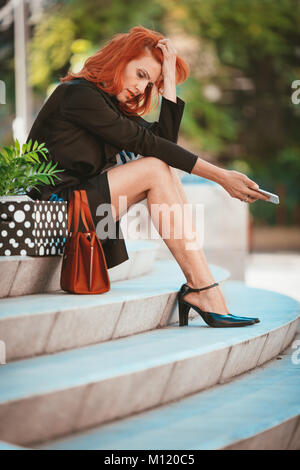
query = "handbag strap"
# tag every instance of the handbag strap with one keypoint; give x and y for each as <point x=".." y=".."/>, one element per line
<point x="86" y="213"/>
<point x="73" y="212"/>
<point x="79" y="204"/>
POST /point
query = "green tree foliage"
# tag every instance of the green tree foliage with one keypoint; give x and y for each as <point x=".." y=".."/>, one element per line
<point x="240" y="110"/>
<point x="50" y="48"/>
<point x="258" y="47"/>
<point x="92" y="22"/>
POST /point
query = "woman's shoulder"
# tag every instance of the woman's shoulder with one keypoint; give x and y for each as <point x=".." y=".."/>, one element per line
<point x="87" y="89"/>
<point x="83" y="83"/>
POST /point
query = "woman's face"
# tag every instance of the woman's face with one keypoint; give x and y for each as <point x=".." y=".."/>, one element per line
<point x="137" y="75"/>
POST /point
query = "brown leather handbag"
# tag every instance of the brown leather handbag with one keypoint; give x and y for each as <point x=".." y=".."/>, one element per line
<point x="84" y="268"/>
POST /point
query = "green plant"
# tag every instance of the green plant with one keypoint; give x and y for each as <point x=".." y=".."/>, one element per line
<point x="21" y="169"/>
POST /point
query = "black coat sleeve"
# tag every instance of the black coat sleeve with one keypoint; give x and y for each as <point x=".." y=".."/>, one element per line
<point x="169" y="120"/>
<point x="87" y="108"/>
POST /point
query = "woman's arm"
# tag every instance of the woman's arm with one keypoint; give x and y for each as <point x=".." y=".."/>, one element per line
<point x="87" y="108"/>
<point x="236" y="184"/>
<point x="171" y="106"/>
<point x="168" y="68"/>
<point x="169" y="73"/>
<point x="169" y="119"/>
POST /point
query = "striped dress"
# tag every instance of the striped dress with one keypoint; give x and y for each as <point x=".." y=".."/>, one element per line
<point x="123" y="157"/>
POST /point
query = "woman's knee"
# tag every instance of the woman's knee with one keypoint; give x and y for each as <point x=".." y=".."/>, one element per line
<point x="157" y="169"/>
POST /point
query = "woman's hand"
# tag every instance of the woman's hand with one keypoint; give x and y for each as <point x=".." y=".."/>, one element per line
<point x="168" y="68"/>
<point x="241" y="187"/>
<point x="170" y="54"/>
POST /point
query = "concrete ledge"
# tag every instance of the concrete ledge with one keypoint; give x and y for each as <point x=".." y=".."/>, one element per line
<point x="47" y="323"/>
<point x="85" y="387"/>
<point x="276" y="238"/>
<point x="25" y="275"/>
<point x="7" y="446"/>
<point x="284" y="436"/>
<point x="259" y="410"/>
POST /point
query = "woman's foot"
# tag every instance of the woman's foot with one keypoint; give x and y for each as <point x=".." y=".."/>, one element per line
<point x="209" y="300"/>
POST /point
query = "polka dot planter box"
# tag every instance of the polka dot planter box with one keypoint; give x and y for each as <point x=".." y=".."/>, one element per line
<point x="32" y="228"/>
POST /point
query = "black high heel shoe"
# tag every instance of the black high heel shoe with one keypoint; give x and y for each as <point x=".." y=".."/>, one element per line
<point x="212" y="319"/>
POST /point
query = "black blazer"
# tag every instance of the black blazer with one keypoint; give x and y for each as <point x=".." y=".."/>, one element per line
<point x="84" y="130"/>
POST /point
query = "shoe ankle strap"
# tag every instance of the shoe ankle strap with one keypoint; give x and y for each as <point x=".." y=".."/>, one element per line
<point x="185" y="289"/>
<point x="202" y="288"/>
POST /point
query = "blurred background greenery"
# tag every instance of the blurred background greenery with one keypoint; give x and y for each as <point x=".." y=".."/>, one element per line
<point x="243" y="54"/>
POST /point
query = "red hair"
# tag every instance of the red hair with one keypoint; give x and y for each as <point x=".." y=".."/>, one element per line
<point x="107" y="65"/>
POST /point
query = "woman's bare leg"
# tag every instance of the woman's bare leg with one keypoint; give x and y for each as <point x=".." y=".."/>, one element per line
<point x="192" y="262"/>
<point x="152" y="179"/>
<point x="192" y="297"/>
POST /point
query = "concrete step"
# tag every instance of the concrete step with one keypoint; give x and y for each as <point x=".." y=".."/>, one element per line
<point x="259" y="410"/>
<point x="50" y="396"/>
<point x="46" y="323"/>
<point x="25" y="275"/>
<point x="7" y="446"/>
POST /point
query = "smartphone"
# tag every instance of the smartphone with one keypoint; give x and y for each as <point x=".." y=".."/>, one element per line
<point x="272" y="197"/>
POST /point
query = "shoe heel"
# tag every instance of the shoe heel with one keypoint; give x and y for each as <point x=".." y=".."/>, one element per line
<point x="183" y="314"/>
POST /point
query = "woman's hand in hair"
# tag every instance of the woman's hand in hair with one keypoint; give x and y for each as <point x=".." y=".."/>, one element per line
<point x="170" y="54"/>
<point x="168" y="68"/>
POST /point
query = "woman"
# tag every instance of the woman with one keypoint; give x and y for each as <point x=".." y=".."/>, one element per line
<point x="91" y="124"/>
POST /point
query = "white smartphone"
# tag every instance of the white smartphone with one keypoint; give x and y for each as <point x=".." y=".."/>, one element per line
<point x="272" y="197"/>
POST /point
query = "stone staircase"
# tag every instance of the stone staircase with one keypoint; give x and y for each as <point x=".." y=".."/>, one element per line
<point x="114" y="371"/>
<point x="24" y="275"/>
